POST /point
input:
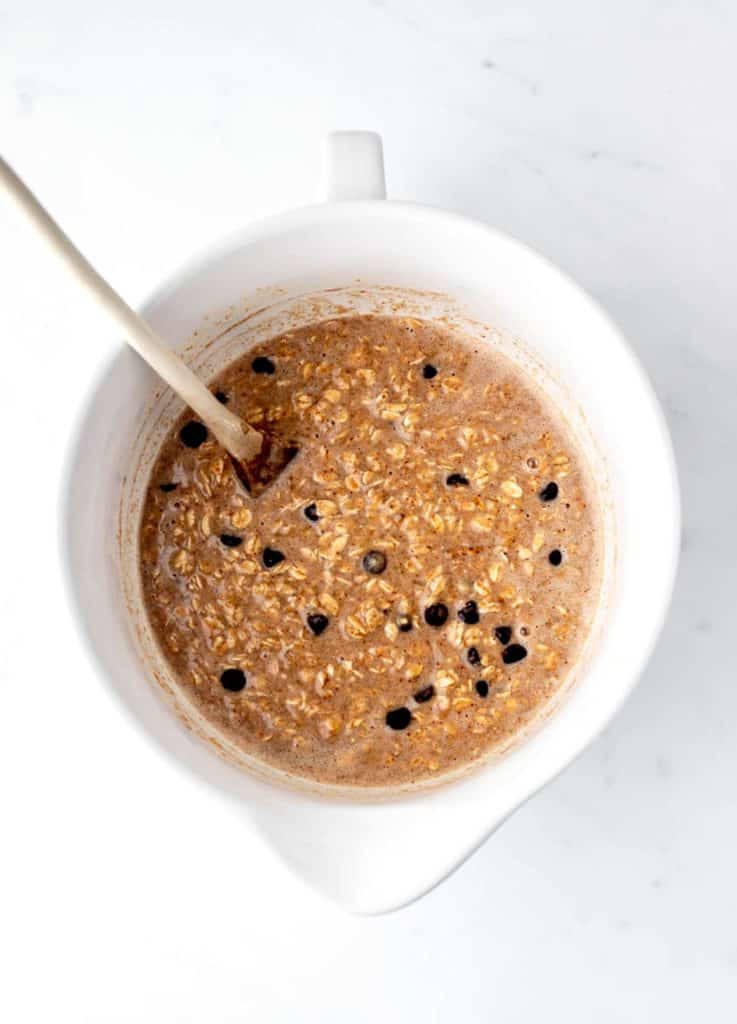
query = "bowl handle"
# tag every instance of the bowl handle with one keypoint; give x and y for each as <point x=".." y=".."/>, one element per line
<point x="354" y="166"/>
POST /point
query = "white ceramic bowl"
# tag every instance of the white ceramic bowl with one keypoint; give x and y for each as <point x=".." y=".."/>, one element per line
<point x="359" y="252"/>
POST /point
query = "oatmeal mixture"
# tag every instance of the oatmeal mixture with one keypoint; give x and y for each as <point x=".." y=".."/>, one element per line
<point x="416" y="583"/>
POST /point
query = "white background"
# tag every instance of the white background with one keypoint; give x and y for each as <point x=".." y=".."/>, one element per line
<point x="604" y="135"/>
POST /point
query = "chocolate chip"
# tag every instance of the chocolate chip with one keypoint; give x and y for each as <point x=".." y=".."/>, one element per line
<point x="230" y="540"/>
<point x="555" y="557"/>
<point x="311" y="512"/>
<point x="374" y="562"/>
<point x="193" y="434"/>
<point x="513" y="653"/>
<point x="429" y="371"/>
<point x="233" y="679"/>
<point x="404" y="623"/>
<point x="317" y="622"/>
<point x="482" y="688"/>
<point x="456" y="480"/>
<point x="262" y="364"/>
<point x="398" y="718"/>
<point x="503" y="634"/>
<point x="271" y="557"/>
<point x="436" y="614"/>
<point x="221" y="397"/>
<point x="474" y="658"/>
<point x="549" y="492"/>
<point x="425" y="694"/>
<point x="168" y="488"/>
<point x="469" y="613"/>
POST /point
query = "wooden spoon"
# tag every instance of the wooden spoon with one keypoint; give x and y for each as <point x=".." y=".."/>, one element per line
<point x="254" y="458"/>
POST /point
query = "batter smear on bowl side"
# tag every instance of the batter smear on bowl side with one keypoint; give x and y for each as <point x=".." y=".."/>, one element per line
<point x="415" y="585"/>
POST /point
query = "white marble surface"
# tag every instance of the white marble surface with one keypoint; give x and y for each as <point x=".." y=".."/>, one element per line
<point x="601" y="133"/>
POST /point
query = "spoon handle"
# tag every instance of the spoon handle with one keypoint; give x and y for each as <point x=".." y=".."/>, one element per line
<point x="238" y="438"/>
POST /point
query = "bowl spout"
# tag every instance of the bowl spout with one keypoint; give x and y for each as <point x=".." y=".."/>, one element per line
<point x="371" y="858"/>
